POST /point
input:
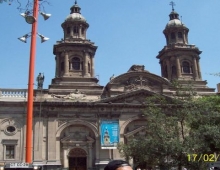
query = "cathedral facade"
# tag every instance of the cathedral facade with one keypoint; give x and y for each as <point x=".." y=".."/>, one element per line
<point x="77" y="122"/>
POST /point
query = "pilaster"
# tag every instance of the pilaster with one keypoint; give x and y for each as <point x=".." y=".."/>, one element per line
<point x="65" y="158"/>
<point x="38" y="131"/>
<point x="51" y="139"/>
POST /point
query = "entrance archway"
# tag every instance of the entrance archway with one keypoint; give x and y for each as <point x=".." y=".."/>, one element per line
<point x="77" y="159"/>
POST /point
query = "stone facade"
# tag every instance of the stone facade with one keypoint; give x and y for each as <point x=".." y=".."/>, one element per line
<point x="68" y="115"/>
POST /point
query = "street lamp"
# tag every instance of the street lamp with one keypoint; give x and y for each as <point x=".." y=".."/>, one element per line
<point x="24" y="37"/>
<point x="31" y="20"/>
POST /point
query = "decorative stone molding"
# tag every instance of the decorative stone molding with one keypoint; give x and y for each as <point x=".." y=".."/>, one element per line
<point x="136" y="68"/>
<point x="60" y="122"/>
<point x="135" y="83"/>
<point x="78" y="122"/>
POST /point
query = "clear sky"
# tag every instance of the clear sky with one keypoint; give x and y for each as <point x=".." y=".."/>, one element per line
<point x="126" y="32"/>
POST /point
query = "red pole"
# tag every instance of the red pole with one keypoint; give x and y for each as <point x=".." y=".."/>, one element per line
<point x="29" y="120"/>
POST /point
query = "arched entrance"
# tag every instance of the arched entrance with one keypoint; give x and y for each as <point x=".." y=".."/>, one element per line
<point x="77" y="159"/>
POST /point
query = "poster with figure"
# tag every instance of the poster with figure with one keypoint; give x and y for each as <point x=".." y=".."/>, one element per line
<point x="109" y="134"/>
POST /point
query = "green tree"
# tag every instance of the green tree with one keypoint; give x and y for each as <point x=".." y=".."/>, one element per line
<point x="177" y="127"/>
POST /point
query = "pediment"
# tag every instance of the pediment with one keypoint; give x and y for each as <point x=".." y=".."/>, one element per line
<point x="138" y="80"/>
<point x="135" y="97"/>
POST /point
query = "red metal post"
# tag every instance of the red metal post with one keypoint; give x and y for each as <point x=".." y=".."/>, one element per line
<point x="29" y="121"/>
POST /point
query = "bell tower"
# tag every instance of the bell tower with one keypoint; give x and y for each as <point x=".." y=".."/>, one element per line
<point x="74" y="57"/>
<point x="179" y="59"/>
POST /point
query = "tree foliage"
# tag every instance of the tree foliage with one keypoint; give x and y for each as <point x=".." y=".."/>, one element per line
<point x="176" y="128"/>
<point x="26" y="6"/>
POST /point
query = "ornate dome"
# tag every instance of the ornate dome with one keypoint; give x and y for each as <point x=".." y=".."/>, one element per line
<point x="174" y="22"/>
<point x="75" y="17"/>
<point x="75" y="14"/>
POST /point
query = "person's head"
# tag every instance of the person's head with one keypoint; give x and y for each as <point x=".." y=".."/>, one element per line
<point x="118" y="165"/>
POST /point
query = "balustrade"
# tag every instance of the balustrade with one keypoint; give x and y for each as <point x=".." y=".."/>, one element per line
<point x="13" y="93"/>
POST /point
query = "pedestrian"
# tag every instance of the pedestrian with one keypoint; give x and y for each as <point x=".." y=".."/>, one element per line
<point x="118" y="165"/>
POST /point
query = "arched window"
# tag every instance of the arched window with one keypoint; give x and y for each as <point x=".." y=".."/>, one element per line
<point x="68" y="30"/>
<point x="185" y="67"/>
<point x="173" y="68"/>
<point x="75" y="30"/>
<point x="76" y="63"/>
<point x="180" y="35"/>
<point x="76" y="10"/>
<point x="82" y="31"/>
<point x="173" y="35"/>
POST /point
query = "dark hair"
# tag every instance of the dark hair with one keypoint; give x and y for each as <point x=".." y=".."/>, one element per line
<point x="113" y="165"/>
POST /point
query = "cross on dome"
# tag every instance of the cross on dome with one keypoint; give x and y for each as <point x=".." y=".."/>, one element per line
<point x="172" y="4"/>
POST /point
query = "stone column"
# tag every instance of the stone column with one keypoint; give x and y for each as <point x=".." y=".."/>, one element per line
<point x="184" y="37"/>
<point x="168" y="69"/>
<point x="80" y="31"/>
<point x="65" y="158"/>
<point x="161" y="68"/>
<point x="176" y="37"/>
<point x="92" y="66"/>
<point x="86" y="55"/>
<point x="199" y="70"/>
<point x="85" y="33"/>
<point x="195" y="68"/>
<point x="71" y="31"/>
<point x="66" y="64"/>
<point x="178" y="69"/>
<point x="57" y="58"/>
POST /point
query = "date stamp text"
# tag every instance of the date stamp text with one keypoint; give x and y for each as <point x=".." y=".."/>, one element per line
<point x="203" y="157"/>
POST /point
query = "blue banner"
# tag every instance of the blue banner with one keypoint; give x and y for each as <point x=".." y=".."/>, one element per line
<point x="109" y="134"/>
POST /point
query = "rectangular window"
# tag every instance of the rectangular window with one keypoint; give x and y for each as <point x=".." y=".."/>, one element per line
<point x="10" y="151"/>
